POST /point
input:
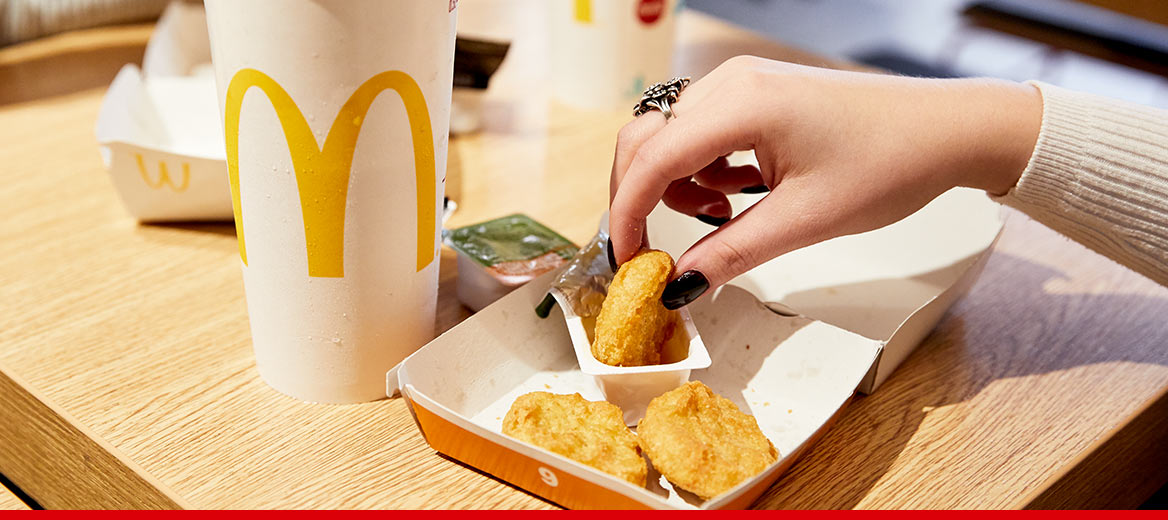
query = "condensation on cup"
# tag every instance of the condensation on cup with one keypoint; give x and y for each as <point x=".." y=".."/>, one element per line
<point x="336" y="115"/>
<point x="604" y="53"/>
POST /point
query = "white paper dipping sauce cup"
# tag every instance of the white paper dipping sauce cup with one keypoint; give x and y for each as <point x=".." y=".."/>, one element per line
<point x="630" y="388"/>
<point x="336" y="115"/>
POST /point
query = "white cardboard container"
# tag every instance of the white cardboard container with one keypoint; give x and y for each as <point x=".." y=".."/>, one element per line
<point x="891" y="285"/>
<point x="863" y="303"/>
<point x="159" y="130"/>
<point x="631" y="388"/>
<point x="794" y="377"/>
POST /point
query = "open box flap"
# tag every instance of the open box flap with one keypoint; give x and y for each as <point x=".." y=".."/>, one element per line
<point x="179" y="44"/>
<point x="868" y="283"/>
<point x="125" y="116"/>
<point x="796" y="374"/>
<point x="892" y="284"/>
<point x="920" y="323"/>
<point x="175" y="115"/>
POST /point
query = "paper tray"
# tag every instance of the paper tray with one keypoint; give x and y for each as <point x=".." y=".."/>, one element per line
<point x="795" y="376"/>
<point x="889" y="287"/>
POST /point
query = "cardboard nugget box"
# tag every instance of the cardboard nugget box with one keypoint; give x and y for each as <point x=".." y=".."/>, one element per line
<point x="790" y="343"/>
<point x="159" y="130"/>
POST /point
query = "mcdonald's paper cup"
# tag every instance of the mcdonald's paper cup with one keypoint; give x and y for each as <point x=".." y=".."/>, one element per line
<point x="335" y="115"/>
<point x="606" y="52"/>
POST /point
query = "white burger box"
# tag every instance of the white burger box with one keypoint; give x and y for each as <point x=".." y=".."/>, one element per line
<point x="159" y="130"/>
<point x="790" y="342"/>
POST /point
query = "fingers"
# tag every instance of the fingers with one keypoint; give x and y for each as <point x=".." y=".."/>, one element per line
<point x="639" y="130"/>
<point x="704" y="195"/>
<point x="628" y="141"/>
<point x="732" y="179"/>
<point x="781" y="222"/>
<point x="636" y="133"/>
<point x="678" y="150"/>
<point x="687" y="197"/>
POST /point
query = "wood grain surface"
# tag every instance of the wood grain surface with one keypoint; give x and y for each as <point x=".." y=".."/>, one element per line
<point x="9" y="501"/>
<point x="1051" y="352"/>
<point x="127" y="378"/>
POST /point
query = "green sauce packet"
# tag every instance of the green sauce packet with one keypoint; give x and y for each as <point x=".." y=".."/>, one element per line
<point x="507" y="239"/>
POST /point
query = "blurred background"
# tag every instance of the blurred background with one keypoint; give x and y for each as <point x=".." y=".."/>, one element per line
<point x="1117" y="48"/>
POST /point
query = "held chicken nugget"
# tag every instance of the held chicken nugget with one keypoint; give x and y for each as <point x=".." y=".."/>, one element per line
<point x="589" y="432"/>
<point x="701" y="441"/>
<point x="633" y="324"/>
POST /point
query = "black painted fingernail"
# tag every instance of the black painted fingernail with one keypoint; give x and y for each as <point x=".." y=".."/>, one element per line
<point x="711" y="220"/>
<point x="611" y="256"/>
<point x="686" y="288"/>
<point x="761" y="188"/>
<point x="545" y="307"/>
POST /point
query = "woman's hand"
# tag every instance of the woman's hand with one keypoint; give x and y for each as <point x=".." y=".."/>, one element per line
<point x="840" y="152"/>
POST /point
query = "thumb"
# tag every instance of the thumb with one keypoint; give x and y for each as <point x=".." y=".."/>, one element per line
<point x="775" y="225"/>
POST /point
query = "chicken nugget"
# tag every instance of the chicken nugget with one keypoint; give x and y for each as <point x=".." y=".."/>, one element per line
<point x="701" y="441"/>
<point x="633" y="324"/>
<point x="589" y="432"/>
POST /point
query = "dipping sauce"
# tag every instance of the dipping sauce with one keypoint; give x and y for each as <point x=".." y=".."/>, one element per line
<point x="496" y="256"/>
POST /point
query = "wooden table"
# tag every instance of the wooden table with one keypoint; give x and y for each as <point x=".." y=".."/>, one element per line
<point x="127" y="378"/>
<point x="9" y="501"/>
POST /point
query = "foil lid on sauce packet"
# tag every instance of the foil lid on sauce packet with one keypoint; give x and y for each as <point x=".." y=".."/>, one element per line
<point x="582" y="285"/>
<point x="496" y="256"/>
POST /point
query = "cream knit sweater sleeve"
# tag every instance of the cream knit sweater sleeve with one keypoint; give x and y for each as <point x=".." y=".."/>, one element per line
<point x="1099" y="175"/>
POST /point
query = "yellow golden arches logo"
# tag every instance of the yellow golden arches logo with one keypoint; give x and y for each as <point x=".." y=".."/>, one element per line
<point x="322" y="172"/>
<point x="163" y="175"/>
<point x="583" y="11"/>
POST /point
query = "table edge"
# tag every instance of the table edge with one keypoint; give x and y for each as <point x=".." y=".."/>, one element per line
<point x="1127" y="449"/>
<point x="98" y="474"/>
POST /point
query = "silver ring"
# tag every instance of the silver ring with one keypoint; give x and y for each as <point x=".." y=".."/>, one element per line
<point x="660" y="96"/>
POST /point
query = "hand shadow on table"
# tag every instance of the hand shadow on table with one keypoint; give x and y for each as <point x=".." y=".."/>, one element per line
<point x="1015" y="323"/>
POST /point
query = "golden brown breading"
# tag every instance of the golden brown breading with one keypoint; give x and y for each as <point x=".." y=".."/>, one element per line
<point x="701" y="441"/>
<point x="589" y="432"/>
<point x="632" y="324"/>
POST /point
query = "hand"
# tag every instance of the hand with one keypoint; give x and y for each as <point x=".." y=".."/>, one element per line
<point x="840" y="152"/>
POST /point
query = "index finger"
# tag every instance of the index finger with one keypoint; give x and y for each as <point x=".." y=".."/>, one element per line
<point x="680" y="149"/>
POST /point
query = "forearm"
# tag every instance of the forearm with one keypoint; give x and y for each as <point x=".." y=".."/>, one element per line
<point x="997" y="124"/>
<point x="1099" y="175"/>
<point x="845" y="152"/>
